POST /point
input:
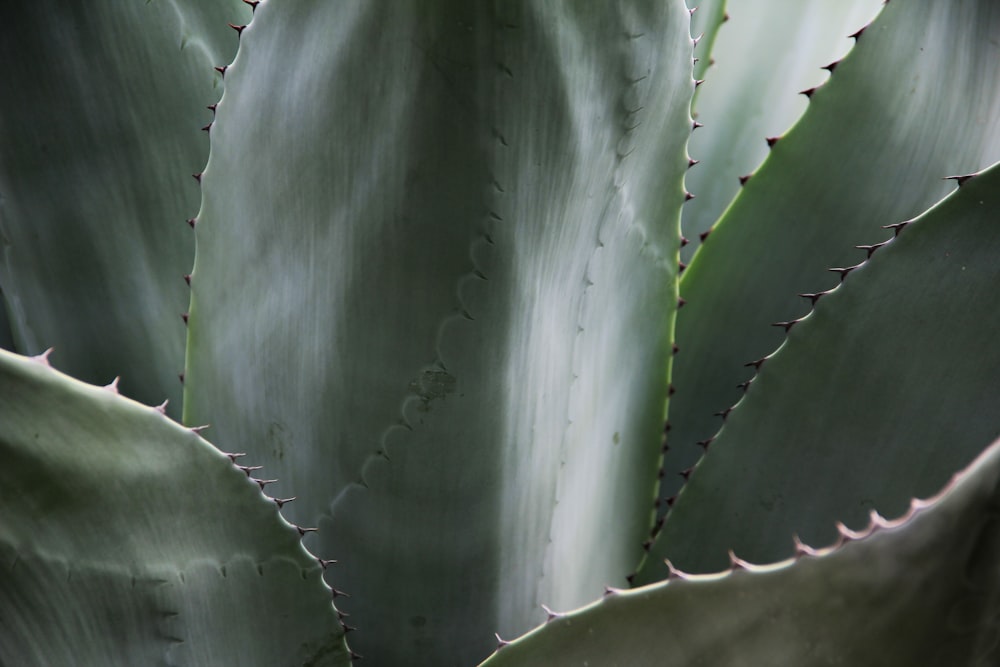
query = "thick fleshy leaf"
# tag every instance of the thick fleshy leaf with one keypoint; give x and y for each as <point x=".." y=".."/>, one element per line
<point x="128" y="540"/>
<point x="434" y="290"/>
<point x="917" y="99"/>
<point x="100" y="121"/>
<point x="887" y="387"/>
<point x="920" y="590"/>
<point x="765" y="53"/>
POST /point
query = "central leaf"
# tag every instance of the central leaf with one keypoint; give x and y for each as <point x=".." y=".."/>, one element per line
<point x="434" y="296"/>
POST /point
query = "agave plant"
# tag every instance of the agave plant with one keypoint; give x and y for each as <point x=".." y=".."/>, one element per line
<point x="434" y="325"/>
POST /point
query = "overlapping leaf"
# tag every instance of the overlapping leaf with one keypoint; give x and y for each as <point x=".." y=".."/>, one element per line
<point x="887" y="387"/>
<point x="917" y="99"/>
<point x="921" y="590"/>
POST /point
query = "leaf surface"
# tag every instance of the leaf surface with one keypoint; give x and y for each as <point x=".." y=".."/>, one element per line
<point x="917" y="99"/>
<point x="434" y="290"/>
<point x="99" y="122"/>
<point x="764" y="53"/>
<point x="129" y="540"/>
<point x="921" y="590"/>
<point x="889" y="385"/>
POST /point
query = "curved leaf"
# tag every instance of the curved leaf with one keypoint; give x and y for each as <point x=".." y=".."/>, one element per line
<point x="417" y="229"/>
<point x="763" y="55"/>
<point x="128" y="540"/>
<point x="917" y="99"/>
<point x="921" y="590"/>
<point x="889" y="385"/>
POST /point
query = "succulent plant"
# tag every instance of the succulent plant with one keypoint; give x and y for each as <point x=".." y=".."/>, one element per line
<point x="429" y="306"/>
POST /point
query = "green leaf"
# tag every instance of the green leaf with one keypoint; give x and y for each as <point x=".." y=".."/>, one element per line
<point x="921" y="590"/>
<point x="416" y="231"/>
<point x="102" y="105"/>
<point x="912" y="103"/>
<point x="881" y="392"/>
<point x="765" y="53"/>
<point x="128" y="540"/>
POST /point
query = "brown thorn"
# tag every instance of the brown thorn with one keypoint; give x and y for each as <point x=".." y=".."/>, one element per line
<point x="960" y="180"/>
<point x="184" y="316"/>
<point x="280" y="502"/>
<point x="221" y="70"/>
<point x="253" y="4"/>
<point x="771" y="141"/>
<point x="843" y="270"/>
<point x="808" y="92"/>
<point x="744" y="179"/>
<point x="756" y="363"/>
<point x="212" y="107"/>
<point x="698" y="82"/>
<point x="870" y="249"/>
<point x="688" y="196"/>
<point x="235" y="455"/>
<point x="249" y="469"/>
<point x="198" y="429"/>
<point x="832" y="66"/>
<point x="187" y="279"/>
<point x="207" y="128"/>
<point x="723" y="413"/>
<point x="193" y="221"/>
<point x="686" y="473"/>
<point x="324" y="563"/>
<point x="814" y="296"/>
<point x="692" y="162"/>
<point x="303" y="531"/>
<point x="113" y="386"/>
<point x="856" y="36"/>
<point x="695" y="125"/>
<point x="263" y="482"/>
<point x="680" y="302"/>
<point x="162" y="407"/>
<point x="787" y="326"/>
<point x="681" y="266"/>
<point x="897" y="227"/>
<point x="238" y="28"/>
<point x="197" y="177"/>
<point x="745" y="385"/>
<point x="704" y="444"/>
<point x="704" y="234"/>
<point x="684" y="241"/>
<point x="500" y="642"/>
